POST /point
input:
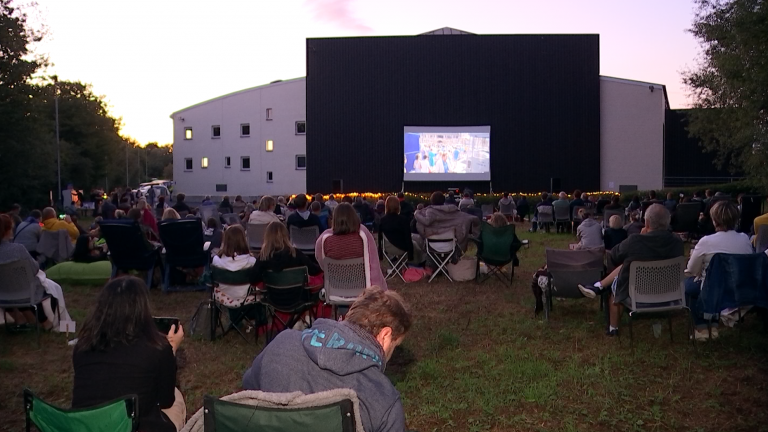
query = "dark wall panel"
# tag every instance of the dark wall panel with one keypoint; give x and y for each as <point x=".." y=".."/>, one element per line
<point x="683" y="154"/>
<point x="539" y="93"/>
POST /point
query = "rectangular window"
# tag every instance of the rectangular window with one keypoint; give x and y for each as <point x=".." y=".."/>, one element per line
<point x="188" y="133"/>
<point x="245" y="130"/>
<point x="245" y="163"/>
<point x="270" y="145"/>
<point x="188" y="164"/>
<point x="216" y="131"/>
<point x="269" y="176"/>
<point x="269" y="113"/>
<point x="221" y="188"/>
<point x="301" y="128"/>
<point x="301" y="162"/>
<point x="204" y="162"/>
<point x="227" y="162"/>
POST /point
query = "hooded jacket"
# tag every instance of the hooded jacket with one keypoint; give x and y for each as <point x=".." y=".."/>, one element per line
<point x="439" y="219"/>
<point x="329" y="356"/>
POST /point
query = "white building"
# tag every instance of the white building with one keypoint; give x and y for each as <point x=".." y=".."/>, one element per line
<point x="250" y="143"/>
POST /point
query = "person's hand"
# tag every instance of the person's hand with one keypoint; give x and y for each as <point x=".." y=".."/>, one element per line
<point x="67" y="219"/>
<point x="175" y="337"/>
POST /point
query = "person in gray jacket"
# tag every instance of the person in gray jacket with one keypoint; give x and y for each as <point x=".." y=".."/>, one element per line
<point x="350" y="354"/>
<point x="27" y="233"/>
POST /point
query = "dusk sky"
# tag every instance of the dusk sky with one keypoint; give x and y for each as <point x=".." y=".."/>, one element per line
<point x="153" y="57"/>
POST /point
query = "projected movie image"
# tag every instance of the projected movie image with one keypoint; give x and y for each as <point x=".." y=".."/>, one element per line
<point x="432" y="154"/>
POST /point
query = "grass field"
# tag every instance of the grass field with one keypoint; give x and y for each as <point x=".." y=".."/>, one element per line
<point x="477" y="360"/>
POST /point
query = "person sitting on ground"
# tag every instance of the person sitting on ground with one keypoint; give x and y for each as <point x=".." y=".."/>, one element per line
<point x="364" y="211"/>
<point x="171" y="214"/>
<point x="671" y="202"/>
<point x="207" y="201"/>
<point x="440" y="218"/>
<point x="239" y="205"/>
<point x="180" y="205"/>
<point x="14" y="214"/>
<point x="347" y="239"/>
<point x="316" y="209"/>
<point x="320" y="360"/>
<point x="266" y="212"/>
<point x="562" y="203"/>
<point x="466" y="201"/>
<point x="507" y="205"/>
<point x="52" y="223"/>
<point x="86" y="250"/>
<point x="397" y="229"/>
<point x="28" y="232"/>
<point x="119" y="351"/>
<point x="225" y="207"/>
<point x="331" y="203"/>
<point x="589" y="232"/>
<point x="234" y="255"/>
<point x="615" y="233"/>
<point x="213" y="233"/>
<point x="726" y="239"/>
<point x="277" y="254"/>
<point x="658" y="243"/>
<point x="615" y="204"/>
<point x="406" y="209"/>
<point x="302" y="217"/>
<point x="523" y="208"/>
<point x="635" y="226"/>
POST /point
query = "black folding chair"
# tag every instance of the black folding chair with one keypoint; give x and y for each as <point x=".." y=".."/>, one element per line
<point x="129" y="248"/>
<point x="287" y="292"/>
<point x="184" y="248"/>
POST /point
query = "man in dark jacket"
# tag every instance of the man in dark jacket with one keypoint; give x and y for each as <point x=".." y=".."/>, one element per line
<point x="108" y="209"/>
<point x="350" y="354"/>
<point x="302" y="217"/>
<point x="406" y="209"/>
<point x="364" y="211"/>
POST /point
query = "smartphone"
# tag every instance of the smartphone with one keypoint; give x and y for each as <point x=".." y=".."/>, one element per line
<point x="164" y="324"/>
<point x="62" y="216"/>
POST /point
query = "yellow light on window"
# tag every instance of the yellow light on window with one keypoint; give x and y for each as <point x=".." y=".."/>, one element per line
<point x="204" y="163"/>
<point x="270" y="145"/>
<point x="188" y="133"/>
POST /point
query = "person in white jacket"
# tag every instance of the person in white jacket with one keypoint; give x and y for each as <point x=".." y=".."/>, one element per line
<point x="234" y="255"/>
<point x="266" y="212"/>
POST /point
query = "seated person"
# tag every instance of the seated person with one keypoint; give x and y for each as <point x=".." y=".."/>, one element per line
<point x="28" y="232"/>
<point x="726" y="239"/>
<point x="265" y="213"/>
<point x="589" y="232"/>
<point x="302" y="217"/>
<point x="671" y="202"/>
<point x="635" y="205"/>
<point x="523" y="208"/>
<point x="119" y="214"/>
<point x="238" y="207"/>
<point x="108" y="208"/>
<point x="406" y="209"/>
<point x="225" y="207"/>
<point x="278" y="254"/>
<point x="71" y="209"/>
<point x="615" y="204"/>
<point x="206" y="200"/>
<point x="397" y="230"/>
<point x="562" y="203"/>
<point x="756" y="224"/>
<point x="86" y="250"/>
<point x="171" y="214"/>
<point x="318" y="359"/>
<point x="316" y="209"/>
<point x="545" y="202"/>
<point x="148" y="217"/>
<point x="125" y="204"/>
<point x="634" y="226"/>
<point x="180" y="205"/>
<point x="331" y="203"/>
<point x="440" y="217"/>
<point x="657" y="243"/>
<point x="466" y="201"/>
<point x="615" y="233"/>
<point x="14" y="214"/>
<point x="507" y="206"/>
<point x="234" y="255"/>
<point x="364" y="211"/>
<point x="498" y="220"/>
<point x="347" y="239"/>
<point x="120" y="352"/>
<point x="213" y="233"/>
<point x="51" y="223"/>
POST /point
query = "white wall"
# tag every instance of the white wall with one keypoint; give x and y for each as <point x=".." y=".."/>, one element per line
<point x="287" y="100"/>
<point x="631" y="134"/>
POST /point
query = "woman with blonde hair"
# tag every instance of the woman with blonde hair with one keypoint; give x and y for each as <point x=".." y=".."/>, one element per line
<point x="170" y="213"/>
<point x="277" y="254"/>
<point x="233" y="256"/>
<point x="498" y="220"/>
<point x="147" y="218"/>
<point x="265" y="214"/>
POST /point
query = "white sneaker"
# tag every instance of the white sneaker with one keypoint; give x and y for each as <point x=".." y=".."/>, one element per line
<point x="702" y="335"/>
<point x="589" y="292"/>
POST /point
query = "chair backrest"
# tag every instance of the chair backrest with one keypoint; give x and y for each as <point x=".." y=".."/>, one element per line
<point x="126" y="242"/>
<point x="345" y="278"/>
<point x="569" y="268"/>
<point x="286" y="290"/>
<point x="575" y="213"/>
<point x="761" y="239"/>
<point x="735" y="280"/>
<point x="607" y="217"/>
<point x="546" y="214"/>
<point x="183" y="241"/>
<point x="304" y="238"/>
<point x="331" y="411"/>
<point x="443" y="242"/>
<point x="207" y="211"/>
<point x="601" y="203"/>
<point x="487" y="209"/>
<point x="496" y="243"/>
<point x="656" y="284"/>
<point x="119" y="415"/>
<point x="55" y="245"/>
<point x="230" y="277"/>
<point x="506" y="209"/>
<point x="18" y="284"/>
<point x="231" y="219"/>
<point x="255" y="234"/>
<point x="562" y="213"/>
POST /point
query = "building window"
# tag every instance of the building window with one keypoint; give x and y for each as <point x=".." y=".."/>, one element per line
<point x="216" y="131"/>
<point x="269" y="176"/>
<point x="301" y="128"/>
<point x="269" y="113"/>
<point x="270" y="145"/>
<point x="301" y="162"/>
<point x="245" y="130"/>
<point x="188" y="164"/>
<point x="245" y="163"/>
<point x="188" y="133"/>
<point x="221" y="188"/>
<point x="227" y="162"/>
<point x="204" y="162"/>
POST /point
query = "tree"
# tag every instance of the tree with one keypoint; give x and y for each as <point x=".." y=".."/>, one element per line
<point x="730" y="85"/>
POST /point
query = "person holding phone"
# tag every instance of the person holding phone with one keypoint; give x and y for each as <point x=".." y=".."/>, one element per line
<point x="120" y="351"/>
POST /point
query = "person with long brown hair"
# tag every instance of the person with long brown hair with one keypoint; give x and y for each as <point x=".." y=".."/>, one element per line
<point x="234" y="255"/>
<point x="397" y="230"/>
<point x="277" y="254"/>
<point x="119" y="351"/>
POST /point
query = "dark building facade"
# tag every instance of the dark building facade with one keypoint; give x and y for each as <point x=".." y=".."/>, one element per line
<point x="539" y="93"/>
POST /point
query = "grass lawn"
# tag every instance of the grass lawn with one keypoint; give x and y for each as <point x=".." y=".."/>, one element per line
<point x="476" y="360"/>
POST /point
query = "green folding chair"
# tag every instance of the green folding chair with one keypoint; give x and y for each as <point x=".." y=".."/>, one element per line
<point x="287" y="292"/>
<point x="238" y="277"/>
<point x="119" y="415"/>
<point x="497" y="247"/>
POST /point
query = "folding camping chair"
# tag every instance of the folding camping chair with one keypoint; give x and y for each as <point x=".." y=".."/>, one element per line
<point x="255" y="234"/>
<point x="184" y="247"/>
<point x="231" y="219"/>
<point x="397" y="259"/>
<point x="497" y="248"/>
<point x="607" y="217"/>
<point x="304" y="239"/>
<point x="569" y="268"/>
<point x="546" y="217"/>
<point x="487" y="210"/>
<point x="236" y="315"/>
<point x="562" y="217"/>
<point x="344" y="281"/>
<point x="287" y="292"/>
<point x="18" y="288"/>
<point x="440" y="249"/>
<point x="119" y="415"/>
<point x="129" y="248"/>
<point x="208" y="211"/>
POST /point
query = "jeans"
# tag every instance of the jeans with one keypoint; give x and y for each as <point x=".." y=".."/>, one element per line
<point x="692" y="291"/>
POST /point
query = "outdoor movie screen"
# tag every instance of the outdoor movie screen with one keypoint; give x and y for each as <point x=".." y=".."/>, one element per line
<point x="447" y="153"/>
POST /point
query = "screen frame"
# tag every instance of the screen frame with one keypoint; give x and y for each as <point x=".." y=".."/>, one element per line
<point x="426" y="177"/>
